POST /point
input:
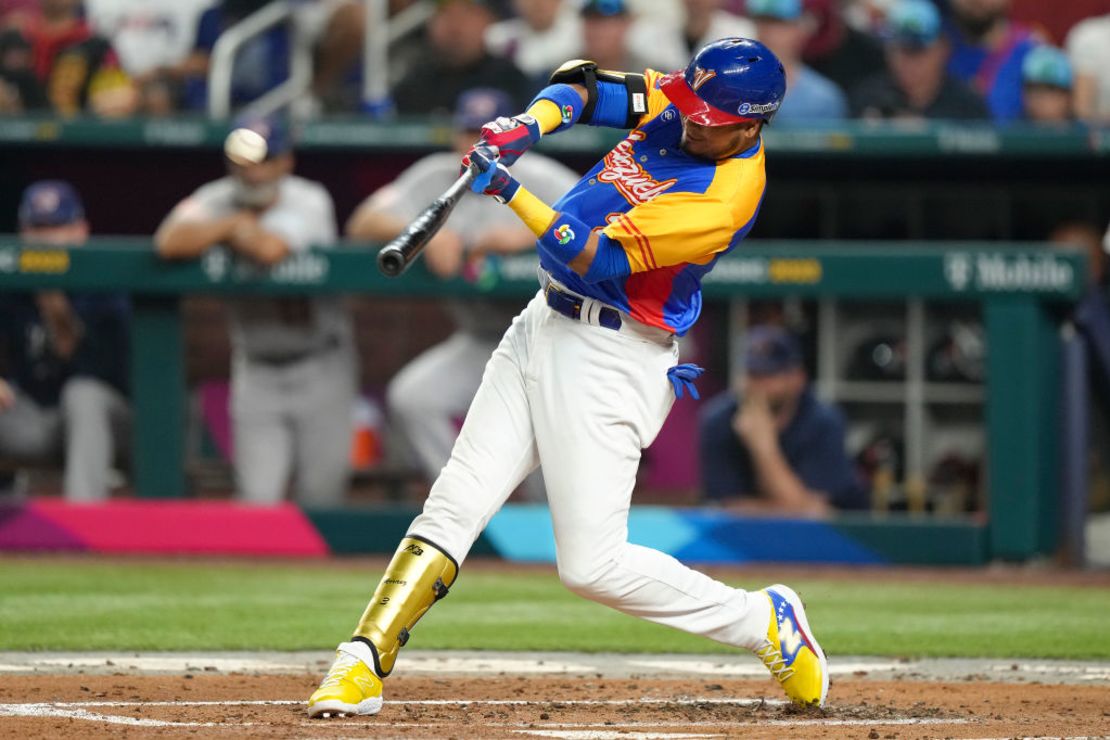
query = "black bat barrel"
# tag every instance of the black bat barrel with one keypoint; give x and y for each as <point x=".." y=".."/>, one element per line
<point x="396" y="256"/>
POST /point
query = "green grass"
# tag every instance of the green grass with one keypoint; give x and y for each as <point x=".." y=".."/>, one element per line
<point x="116" y="605"/>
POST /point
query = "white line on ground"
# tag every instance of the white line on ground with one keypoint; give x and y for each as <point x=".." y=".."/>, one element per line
<point x="680" y="701"/>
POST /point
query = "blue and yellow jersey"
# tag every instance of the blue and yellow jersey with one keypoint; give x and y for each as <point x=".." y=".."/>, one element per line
<point x="673" y="214"/>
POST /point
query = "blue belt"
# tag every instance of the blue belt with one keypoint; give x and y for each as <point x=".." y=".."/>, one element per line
<point x="571" y="306"/>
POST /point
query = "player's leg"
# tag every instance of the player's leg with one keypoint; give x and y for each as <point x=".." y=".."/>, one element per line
<point x="322" y="428"/>
<point x="494" y="451"/>
<point x="29" y="431"/>
<point x="431" y="392"/>
<point x="263" y="437"/>
<point x="616" y="389"/>
<point x="92" y="413"/>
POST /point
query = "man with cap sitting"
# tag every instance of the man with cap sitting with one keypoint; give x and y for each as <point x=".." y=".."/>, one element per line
<point x="769" y="444"/>
<point x="67" y="355"/>
<point x="1046" y="92"/>
<point x="916" y="83"/>
<point x="433" y="390"/>
<point x="294" y="368"/>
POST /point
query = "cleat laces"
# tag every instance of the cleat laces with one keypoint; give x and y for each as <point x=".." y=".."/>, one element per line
<point x="338" y="670"/>
<point x="772" y="658"/>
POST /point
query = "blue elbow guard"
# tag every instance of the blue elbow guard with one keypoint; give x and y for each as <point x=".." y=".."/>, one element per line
<point x="612" y="105"/>
<point x="610" y="261"/>
<point x="569" y="102"/>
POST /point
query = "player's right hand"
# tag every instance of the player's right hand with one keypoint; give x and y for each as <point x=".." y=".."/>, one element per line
<point x="493" y="177"/>
<point x="512" y="136"/>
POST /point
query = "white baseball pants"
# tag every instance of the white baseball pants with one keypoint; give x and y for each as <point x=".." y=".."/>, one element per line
<point x="582" y="401"/>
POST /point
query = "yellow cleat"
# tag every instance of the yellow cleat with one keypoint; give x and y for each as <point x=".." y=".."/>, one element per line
<point x="351" y="686"/>
<point x="791" y="652"/>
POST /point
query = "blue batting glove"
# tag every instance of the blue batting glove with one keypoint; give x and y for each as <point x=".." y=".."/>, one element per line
<point x="683" y="377"/>
<point x="493" y="177"/>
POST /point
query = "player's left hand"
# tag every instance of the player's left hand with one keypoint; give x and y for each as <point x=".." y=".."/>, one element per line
<point x="494" y="177"/>
<point x="512" y="136"/>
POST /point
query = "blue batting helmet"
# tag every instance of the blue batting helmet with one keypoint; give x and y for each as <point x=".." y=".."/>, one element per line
<point x="729" y="81"/>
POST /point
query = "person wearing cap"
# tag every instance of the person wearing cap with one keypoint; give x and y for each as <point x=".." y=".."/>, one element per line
<point x="769" y="444"/>
<point x="587" y="373"/>
<point x="836" y="49"/>
<point x="786" y="28"/>
<point x="430" y="393"/>
<point x="614" y="37"/>
<point x="916" y="83"/>
<point x="542" y="36"/>
<point x="1046" y="76"/>
<point x="457" y="60"/>
<point x="68" y="356"/>
<point x="294" y="368"/>
<point x="704" y="21"/>
<point x="987" y="53"/>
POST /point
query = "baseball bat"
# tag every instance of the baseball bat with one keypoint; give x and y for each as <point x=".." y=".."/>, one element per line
<point x="396" y="256"/>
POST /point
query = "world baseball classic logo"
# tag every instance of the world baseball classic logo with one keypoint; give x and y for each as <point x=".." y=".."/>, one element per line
<point x="564" y="234"/>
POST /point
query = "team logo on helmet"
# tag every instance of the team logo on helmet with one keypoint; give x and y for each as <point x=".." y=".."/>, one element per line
<point x="758" y="108"/>
<point x="564" y="234"/>
<point x="702" y="76"/>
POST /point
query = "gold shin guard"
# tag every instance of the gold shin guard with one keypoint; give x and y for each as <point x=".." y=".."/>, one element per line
<point x="417" y="577"/>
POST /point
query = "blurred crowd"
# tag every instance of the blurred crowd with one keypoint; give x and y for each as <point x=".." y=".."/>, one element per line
<point x="1001" y="60"/>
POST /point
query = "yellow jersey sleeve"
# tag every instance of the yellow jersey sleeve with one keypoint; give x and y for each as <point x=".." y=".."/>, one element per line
<point x="672" y="229"/>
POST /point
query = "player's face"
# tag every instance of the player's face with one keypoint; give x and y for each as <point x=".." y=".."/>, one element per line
<point x="256" y="185"/>
<point x="57" y="236"/>
<point x="717" y="142"/>
<point x="1047" y="104"/>
<point x="781" y="391"/>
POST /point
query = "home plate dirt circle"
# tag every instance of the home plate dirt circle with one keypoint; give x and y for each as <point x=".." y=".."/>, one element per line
<point x="238" y="695"/>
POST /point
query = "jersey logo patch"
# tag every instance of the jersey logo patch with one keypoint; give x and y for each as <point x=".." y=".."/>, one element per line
<point x="564" y="234"/>
<point x="632" y="181"/>
<point x="702" y="76"/>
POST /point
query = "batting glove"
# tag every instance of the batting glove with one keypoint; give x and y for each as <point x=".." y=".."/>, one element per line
<point x="683" y="377"/>
<point x="494" y="177"/>
<point x="512" y="136"/>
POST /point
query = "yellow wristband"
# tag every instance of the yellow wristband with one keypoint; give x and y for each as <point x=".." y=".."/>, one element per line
<point x="535" y="214"/>
<point x="547" y="114"/>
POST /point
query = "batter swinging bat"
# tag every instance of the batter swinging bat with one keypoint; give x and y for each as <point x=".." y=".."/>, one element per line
<point x="396" y="256"/>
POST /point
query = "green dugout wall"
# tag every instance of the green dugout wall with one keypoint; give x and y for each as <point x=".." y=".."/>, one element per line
<point x="1017" y="285"/>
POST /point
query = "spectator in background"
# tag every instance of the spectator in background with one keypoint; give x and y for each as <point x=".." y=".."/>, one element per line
<point x="294" y="367"/>
<point x="1088" y="46"/>
<point x="769" y="444"/>
<point x="77" y="69"/>
<point x="705" y="21"/>
<point x="333" y="28"/>
<point x="434" y="390"/>
<point x="988" y="49"/>
<point x="153" y="38"/>
<point x="785" y="28"/>
<point x="608" y="33"/>
<point x="68" y="355"/>
<point x="1046" y="89"/>
<point x="845" y="55"/>
<point x="20" y="89"/>
<point x="917" y="83"/>
<point x="457" y="60"/>
<point x="544" y="34"/>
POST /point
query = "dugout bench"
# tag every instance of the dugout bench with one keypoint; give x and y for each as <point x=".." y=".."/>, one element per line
<point x="1019" y="287"/>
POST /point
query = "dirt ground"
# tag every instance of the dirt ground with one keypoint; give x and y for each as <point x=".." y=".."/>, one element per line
<point x="245" y="705"/>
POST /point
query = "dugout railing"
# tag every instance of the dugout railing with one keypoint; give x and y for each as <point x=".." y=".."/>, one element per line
<point x="1022" y="289"/>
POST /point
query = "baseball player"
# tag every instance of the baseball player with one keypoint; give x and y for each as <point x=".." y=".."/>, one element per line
<point x="436" y="388"/>
<point x="294" y="368"/>
<point x="585" y="376"/>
